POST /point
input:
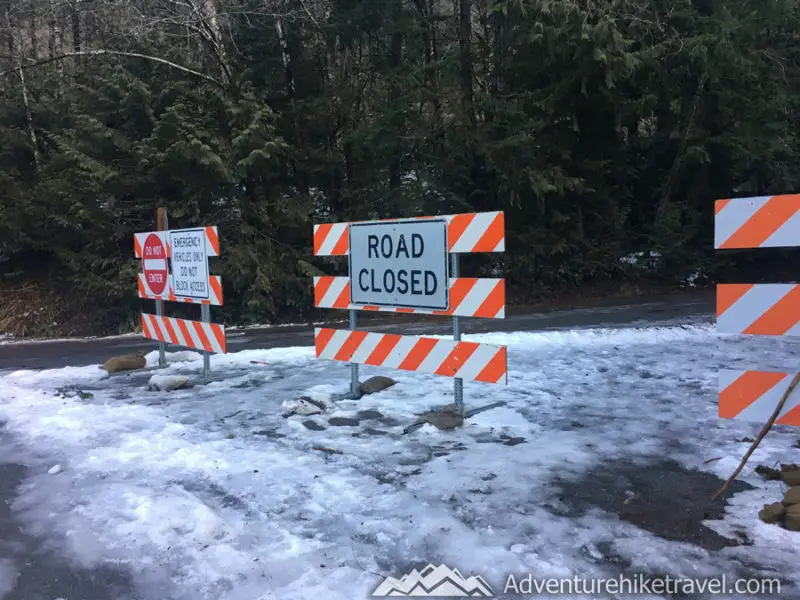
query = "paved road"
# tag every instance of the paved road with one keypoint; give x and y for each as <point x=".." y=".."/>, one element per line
<point x="48" y="355"/>
<point x="31" y="570"/>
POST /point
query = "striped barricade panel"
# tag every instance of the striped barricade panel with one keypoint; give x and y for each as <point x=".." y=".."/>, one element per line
<point x="758" y="222"/>
<point x="212" y="240"/>
<point x="181" y="332"/>
<point x="754" y="396"/>
<point x="469" y="297"/>
<point x="758" y="309"/>
<point x="214" y="284"/>
<point x="467" y="360"/>
<point x="466" y="233"/>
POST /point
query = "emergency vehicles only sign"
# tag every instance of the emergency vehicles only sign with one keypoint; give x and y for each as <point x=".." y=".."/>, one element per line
<point x="189" y="263"/>
<point x="400" y="264"/>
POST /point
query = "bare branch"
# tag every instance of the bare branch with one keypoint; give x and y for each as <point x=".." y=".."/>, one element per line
<point x="155" y="59"/>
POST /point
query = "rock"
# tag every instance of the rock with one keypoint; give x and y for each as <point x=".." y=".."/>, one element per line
<point x="301" y="407"/>
<point x="447" y="418"/>
<point x="791" y="478"/>
<point x="513" y="441"/>
<point x="167" y="383"/>
<point x="126" y="362"/>
<point x="792" y="518"/>
<point x="371" y="431"/>
<point x="768" y="473"/>
<point x="318" y="403"/>
<point x="343" y="422"/>
<point x="369" y="415"/>
<point x="792" y="496"/>
<point x="772" y="513"/>
<point x="313" y="425"/>
<point x="376" y="384"/>
<point x="327" y="450"/>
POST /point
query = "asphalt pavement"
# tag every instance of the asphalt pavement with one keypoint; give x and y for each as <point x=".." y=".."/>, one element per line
<point x="56" y="354"/>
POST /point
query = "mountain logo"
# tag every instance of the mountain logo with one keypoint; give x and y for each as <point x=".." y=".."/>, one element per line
<point x="434" y="582"/>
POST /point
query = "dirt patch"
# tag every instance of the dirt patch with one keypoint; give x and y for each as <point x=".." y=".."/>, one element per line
<point x="664" y="498"/>
<point x="34" y="310"/>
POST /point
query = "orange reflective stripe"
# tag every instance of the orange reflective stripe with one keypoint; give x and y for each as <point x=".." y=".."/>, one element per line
<point x="745" y="390"/>
<point x="766" y="221"/>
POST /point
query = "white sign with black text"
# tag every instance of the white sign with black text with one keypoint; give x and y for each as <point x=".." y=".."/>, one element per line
<point x="189" y="261"/>
<point x="401" y="264"/>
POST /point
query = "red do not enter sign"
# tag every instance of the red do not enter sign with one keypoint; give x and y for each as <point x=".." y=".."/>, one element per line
<point x="154" y="264"/>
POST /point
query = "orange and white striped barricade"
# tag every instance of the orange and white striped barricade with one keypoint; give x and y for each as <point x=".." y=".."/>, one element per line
<point x="450" y="358"/>
<point x="757" y="309"/>
<point x="753" y="396"/>
<point x="469" y="297"/>
<point x="206" y="337"/>
<point x="411" y="266"/>
<point x="175" y="269"/>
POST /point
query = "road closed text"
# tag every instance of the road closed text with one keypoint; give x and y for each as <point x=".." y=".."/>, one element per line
<point x="417" y="282"/>
<point x="401" y="264"/>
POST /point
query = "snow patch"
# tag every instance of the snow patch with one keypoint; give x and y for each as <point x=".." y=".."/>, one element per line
<point x="214" y="494"/>
<point x="182" y="356"/>
<point x="167" y="383"/>
<point x="8" y="576"/>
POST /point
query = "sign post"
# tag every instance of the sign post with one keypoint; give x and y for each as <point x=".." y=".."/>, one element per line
<point x="355" y="385"/>
<point x="402" y="266"/>
<point x="190" y="275"/>
<point x="187" y="251"/>
<point x="162" y="223"/>
<point x="458" y="382"/>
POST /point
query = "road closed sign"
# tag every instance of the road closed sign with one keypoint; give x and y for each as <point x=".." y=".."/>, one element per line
<point x="400" y="264"/>
<point x="189" y="263"/>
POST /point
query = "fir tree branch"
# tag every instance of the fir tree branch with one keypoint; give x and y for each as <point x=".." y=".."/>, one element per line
<point x="156" y="59"/>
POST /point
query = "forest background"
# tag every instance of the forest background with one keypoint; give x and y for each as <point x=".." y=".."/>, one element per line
<point x="604" y="128"/>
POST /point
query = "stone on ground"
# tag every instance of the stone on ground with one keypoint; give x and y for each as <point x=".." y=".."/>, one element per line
<point x="446" y="418"/>
<point x="167" y="383"/>
<point x="792" y="496"/>
<point x="792" y="518"/>
<point x="376" y="384"/>
<point x="304" y="406"/>
<point x="791" y="477"/>
<point x="772" y="513"/>
<point x="126" y="362"/>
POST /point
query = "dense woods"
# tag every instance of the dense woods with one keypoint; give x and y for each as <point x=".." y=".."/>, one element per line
<point x="603" y="128"/>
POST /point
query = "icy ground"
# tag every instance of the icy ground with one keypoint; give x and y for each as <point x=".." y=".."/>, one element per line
<point x="210" y="493"/>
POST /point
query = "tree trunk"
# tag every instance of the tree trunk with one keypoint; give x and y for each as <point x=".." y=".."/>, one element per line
<point x="679" y="155"/>
<point x="55" y="37"/>
<point x="425" y="11"/>
<point x="75" y="15"/>
<point x="395" y="99"/>
<point x="289" y="75"/>
<point x="17" y="57"/>
<point x="465" y="56"/>
<point x="212" y="26"/>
